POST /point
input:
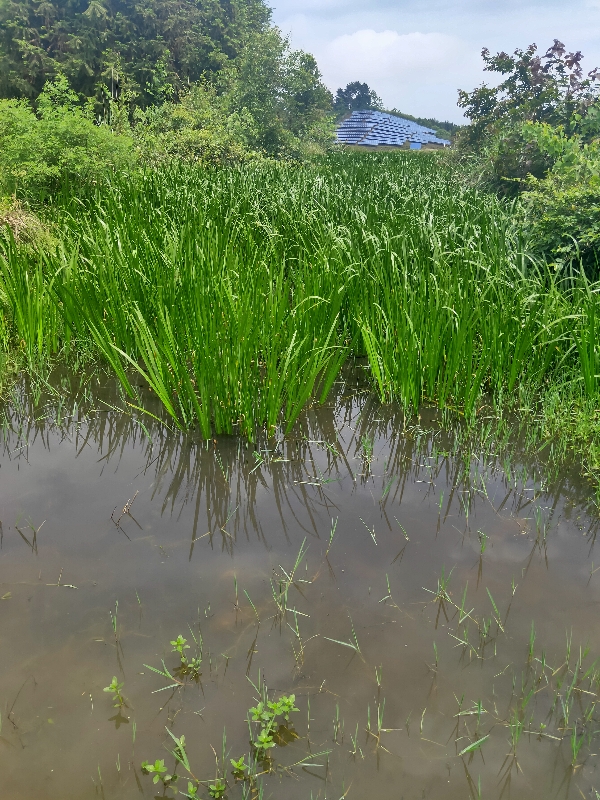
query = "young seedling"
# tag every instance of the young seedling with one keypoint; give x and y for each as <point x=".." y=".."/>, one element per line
<point x="179" y="646"/>
<point x="191" y="665"/>
<point x="265" y="713"/>
<point x="371" y="530"/>
<point x="474" y="746"/>
<point x="264" y="741"/>
<point x="355" y="747"/>
<point x="280" y="593"/>
<point x="378" y="671"/>
<point x="482" y="541"/>
<point x="157" y="769"/>
<point x="531" y="641"/>
<point x="217" y="789"/>
<point x="239" y="768"/>
<point x="516" y="726"/>
<point x="338" y="725"/>
<point x="113" y="618"/>
<point x="495" y="607"/>
<point x="367" y="446"/>
<point x="115" y="689"/>
<point x="353" y="645"/>
<point x="331" y="535"/>
<point x="576" y="744"/>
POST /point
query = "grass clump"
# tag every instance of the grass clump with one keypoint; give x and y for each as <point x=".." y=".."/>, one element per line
<point x="237" y="294"/>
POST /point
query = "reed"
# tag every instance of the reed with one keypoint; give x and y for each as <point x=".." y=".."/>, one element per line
<point x="237" y="294"/>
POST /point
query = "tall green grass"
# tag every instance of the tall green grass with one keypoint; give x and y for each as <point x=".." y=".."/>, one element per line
<point x="239" y="293"/>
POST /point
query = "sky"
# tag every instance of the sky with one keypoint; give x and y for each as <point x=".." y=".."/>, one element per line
<point x="416" y="54"/>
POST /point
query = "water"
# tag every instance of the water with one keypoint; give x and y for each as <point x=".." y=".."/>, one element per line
<point x="409" y="507"/>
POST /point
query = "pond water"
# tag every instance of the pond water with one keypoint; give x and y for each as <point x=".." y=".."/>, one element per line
<point x="386" y="576"/>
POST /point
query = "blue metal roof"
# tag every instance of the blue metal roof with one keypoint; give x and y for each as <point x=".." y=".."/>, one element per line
<point x="374" y="128"/>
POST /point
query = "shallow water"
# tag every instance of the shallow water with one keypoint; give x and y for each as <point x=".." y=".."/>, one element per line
<point x="205" y="517"/>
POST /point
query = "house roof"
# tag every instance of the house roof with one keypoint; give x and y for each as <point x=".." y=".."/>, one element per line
<point x="373" y="128"/>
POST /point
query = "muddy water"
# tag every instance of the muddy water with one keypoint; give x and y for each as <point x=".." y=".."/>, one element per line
<point x="212" y="536"/>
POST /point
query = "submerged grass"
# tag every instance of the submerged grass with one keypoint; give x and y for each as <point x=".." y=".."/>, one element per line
<point x="239" y="293"/>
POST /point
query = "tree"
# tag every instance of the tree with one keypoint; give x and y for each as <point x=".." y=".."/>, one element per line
<point x="282" y="90"/>
<point x="97" y="43"/>
<point x="231" y="70"/>
<point x="356" y="96"/>
<point x="549" y="88"/>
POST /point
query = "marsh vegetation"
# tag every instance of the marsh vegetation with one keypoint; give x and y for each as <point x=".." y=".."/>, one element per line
<point x="238" y="294"/>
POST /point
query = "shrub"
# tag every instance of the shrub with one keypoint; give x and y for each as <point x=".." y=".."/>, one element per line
<point x="563" y="209"/>
<point x="565" y="222"/>
<point x="201" y="128"/>
<point x="41" y="151"/>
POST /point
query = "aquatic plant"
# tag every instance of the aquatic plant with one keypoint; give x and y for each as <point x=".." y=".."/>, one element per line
<point x="115" y="689"/>
<point x="158" y="770"/>
<point x="265" y="713"/>
<point x="237" y="295"/>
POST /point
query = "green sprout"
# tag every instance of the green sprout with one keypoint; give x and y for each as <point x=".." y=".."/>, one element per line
<point x="157" y="769"/>
<point x="115" y="689"/>
<point x="266" y="713"/>
<point x="179" y="645"/>
<point x="239" y="767"/>
<point x="217" y="789"/>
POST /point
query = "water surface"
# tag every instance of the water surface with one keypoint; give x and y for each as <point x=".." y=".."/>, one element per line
<point x="212" y="534"/>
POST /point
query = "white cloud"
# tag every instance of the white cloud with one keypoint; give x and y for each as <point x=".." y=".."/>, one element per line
<point x="388" y="54"/>
<point x="411" y="71"/>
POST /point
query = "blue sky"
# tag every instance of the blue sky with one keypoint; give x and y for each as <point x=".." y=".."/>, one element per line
<point x="416" y="55"/>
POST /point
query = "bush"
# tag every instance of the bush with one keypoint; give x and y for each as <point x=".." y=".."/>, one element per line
<point x="41" y="151"/>
<point x="563" y="209"/>
<point x="564" y="223"/>
<point x="201" y="128"/>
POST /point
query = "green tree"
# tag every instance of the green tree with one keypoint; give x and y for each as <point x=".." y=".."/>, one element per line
<point x="98" y="44"/>
<point x="283" y="92"/>
<point x="356" y="96"/>
<point x="272" y="102"/>
<point x="551" y="88"/>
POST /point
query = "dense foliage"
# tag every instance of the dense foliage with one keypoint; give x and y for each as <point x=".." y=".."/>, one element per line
<point x="155" y="48"/>
<point x="548" y="89"/>
<point x="563" y="208"/>
<point x="40" y="152"/>
<point x="208" y="80"/>
<point x="536" y="134"/>
<point x="238" y="293"/>
<point x="356" y="96"/>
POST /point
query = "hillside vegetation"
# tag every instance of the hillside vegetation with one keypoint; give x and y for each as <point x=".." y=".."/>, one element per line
<point x="204" y="80"/>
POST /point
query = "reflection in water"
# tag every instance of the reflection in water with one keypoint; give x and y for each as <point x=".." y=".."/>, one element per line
<point x="330" y="443"/>
<point x="424" y="592"/>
